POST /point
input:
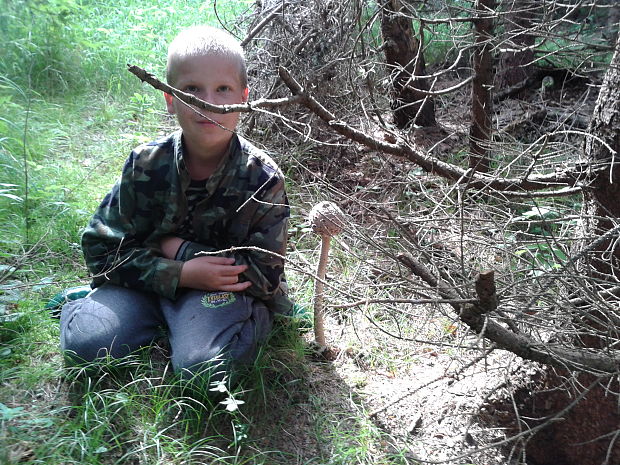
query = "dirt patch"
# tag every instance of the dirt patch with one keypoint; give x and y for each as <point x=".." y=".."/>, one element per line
<point x="427" y="408"/>
<point x="578" y="414"/>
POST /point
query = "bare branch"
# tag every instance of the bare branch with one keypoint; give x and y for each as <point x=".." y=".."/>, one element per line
<point x="190" y="99"/>
<point x="360" y="303"/>
<point x="474" y="316"/>
<point x="565" y="192"/>
<point x="260" y="26"/>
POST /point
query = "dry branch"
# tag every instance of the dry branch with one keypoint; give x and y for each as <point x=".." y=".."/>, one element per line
<point x="475" y="316"/>
<point x="360" y="303"/>
<point x="568" y="177"/>
<point x="564" y="192"/>
<point x="190" y="99"/>
<point x="260" y="26"/>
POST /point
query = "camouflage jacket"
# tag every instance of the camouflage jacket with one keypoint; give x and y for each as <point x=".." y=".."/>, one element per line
<point x="245" y="206"/>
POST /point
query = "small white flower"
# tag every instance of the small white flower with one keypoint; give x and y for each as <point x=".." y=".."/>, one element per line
<point x="219" y="386"/>
<point x="232" y="404"/>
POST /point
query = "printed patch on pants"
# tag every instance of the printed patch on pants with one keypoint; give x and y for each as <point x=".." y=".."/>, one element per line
<point x="218" y="299"/>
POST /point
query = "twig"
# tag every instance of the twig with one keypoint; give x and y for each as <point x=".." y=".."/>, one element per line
<point x="564" y="192"/>
<point x="447" y="90"/>
<point x="190" y="99"/>
<point x="260" y="26"/>
<point x="403" y="301"/>
<point x="475" y="317"/>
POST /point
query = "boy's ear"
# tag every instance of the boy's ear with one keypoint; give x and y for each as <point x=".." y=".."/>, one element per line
<point x="246" y="93"/>
<point x="169" y="98"/>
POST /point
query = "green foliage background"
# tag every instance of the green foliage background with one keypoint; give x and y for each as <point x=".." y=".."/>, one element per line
<point x="71" y="111"/>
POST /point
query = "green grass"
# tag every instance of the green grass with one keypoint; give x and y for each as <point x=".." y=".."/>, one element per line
<point x="68" y="46"/>
<point x="132" y="409"/>
<point x="351" y="439"/>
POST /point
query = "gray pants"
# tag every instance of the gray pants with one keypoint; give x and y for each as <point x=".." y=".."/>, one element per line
<point x="202" y="326"/>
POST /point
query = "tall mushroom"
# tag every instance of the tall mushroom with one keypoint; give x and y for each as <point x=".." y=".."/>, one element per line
<point x="326" y="220"/>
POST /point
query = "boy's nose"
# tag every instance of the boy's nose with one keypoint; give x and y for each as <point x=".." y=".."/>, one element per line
<point x="209" y="97"/>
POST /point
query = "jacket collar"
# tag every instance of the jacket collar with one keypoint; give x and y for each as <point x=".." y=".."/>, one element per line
<point x="233" y="151"/>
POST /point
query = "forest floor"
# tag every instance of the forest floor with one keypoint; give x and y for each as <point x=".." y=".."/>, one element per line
<point x="432" y="402"/>
<point x="426" y="410"/>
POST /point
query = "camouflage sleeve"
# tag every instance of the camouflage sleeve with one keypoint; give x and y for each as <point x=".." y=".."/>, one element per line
<point x="268" y="232"/>
<point x="115" y="242"/>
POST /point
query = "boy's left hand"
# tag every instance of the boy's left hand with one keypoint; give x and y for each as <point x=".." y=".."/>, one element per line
<point x="213" y="274"/>
<point x="206" y="273"/>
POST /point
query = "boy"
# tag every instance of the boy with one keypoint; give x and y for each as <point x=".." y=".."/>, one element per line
<point x="201" y="189"/>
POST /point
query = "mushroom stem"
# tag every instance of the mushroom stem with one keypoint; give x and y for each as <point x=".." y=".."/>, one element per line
<point x="319" y="331"/>
<point x="326" y="220"/>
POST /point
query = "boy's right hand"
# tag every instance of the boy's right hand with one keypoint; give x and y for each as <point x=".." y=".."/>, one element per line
<point x="213" y="274"/>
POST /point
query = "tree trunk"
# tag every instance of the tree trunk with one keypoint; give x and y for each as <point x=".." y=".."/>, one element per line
<point x="601" y="197"/>
<point x="613" y="19"/>
<point x="481" y="105"/>
<point x="516" y="63"/>
<point x="404" y="57"/>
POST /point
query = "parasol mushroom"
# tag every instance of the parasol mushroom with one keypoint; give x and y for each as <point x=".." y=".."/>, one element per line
<point x="326" y="220"/>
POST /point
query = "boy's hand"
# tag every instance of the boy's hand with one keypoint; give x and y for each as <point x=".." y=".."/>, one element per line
<point x="213" y="274"/>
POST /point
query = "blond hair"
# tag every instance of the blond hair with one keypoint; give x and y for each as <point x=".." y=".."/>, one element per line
<point x="204" y="40"/>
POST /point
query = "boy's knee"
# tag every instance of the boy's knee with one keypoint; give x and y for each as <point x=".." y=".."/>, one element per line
<point x="221" y="336"/>
<point x="79" y="349"/>
<point x="217" y="360"/>
<point x="89" y="332"/>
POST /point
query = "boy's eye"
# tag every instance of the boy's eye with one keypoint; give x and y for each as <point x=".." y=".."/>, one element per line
<point x="191" y="89"/>
<point x="224" y="89"/>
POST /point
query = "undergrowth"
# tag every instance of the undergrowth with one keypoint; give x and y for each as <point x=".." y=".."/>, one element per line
<point x="133" y="410"/>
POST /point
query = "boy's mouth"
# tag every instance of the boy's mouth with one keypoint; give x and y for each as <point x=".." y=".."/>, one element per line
<point x="207" y="122"/>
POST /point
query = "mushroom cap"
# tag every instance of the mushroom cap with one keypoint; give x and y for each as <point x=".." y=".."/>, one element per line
<point x="326" y="219"/>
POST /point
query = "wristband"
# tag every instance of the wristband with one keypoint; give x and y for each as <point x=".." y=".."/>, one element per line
<point x="181" y="250"/>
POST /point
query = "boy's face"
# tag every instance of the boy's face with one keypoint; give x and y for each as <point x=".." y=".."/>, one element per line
<point x="214" y="79"/>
